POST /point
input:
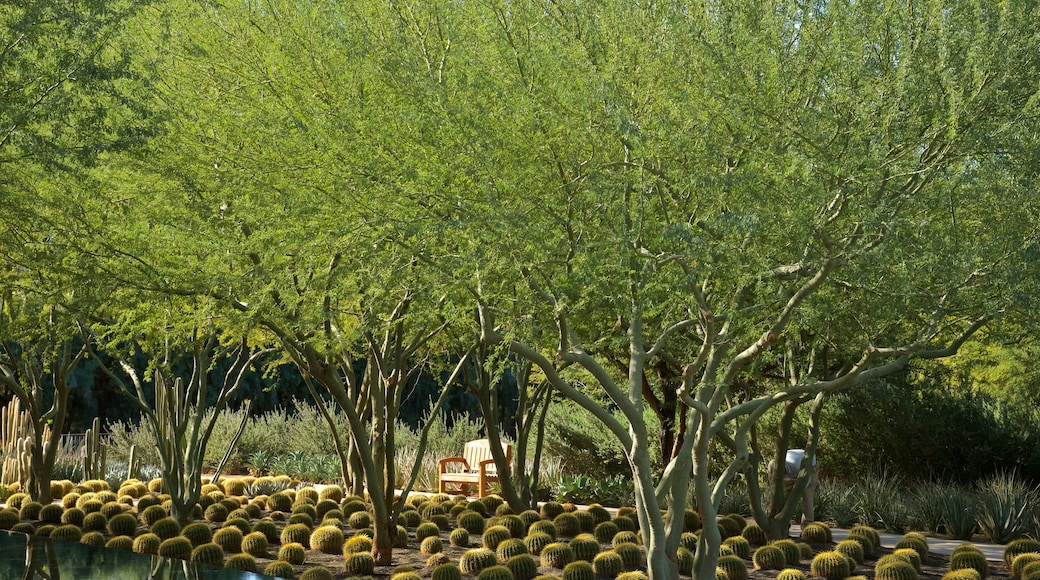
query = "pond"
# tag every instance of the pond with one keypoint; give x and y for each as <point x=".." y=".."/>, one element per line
<point x="23" y="557"/>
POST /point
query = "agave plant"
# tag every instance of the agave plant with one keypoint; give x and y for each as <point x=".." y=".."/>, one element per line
<point x="958" y="513"/>
<point x="1005" y="507"/>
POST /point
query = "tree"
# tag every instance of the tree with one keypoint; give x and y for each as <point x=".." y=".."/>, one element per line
<point x="723" y="188"/>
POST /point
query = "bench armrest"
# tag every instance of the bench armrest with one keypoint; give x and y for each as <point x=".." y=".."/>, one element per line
<point x="488" y="466"/>
<point x="444" y="463"/>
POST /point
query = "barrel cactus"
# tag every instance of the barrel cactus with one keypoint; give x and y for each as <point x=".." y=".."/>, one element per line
<point x="1019" y="546"/>
<point x="536" y="542"/>
<point x="496" y="572"/>
<point x="741" y="546"/>
<point x="769" y="558"/>
<point x="962" y="574"/>
<point x="316" y="573"/>
<point x="446" y="571"/>
<point x="851" y="548"/>
<point x="557" y="555"/>
<point x="816" y="533"/>
<point x="585" y="547"/>
<point x="790" y="574"/>
<point x="359" y="564"/>
<point x="147" y="543"/>
<point x="630" y="554"/>
<point x="609" y="564"/>
<point x="229" y="538"/>
<point x="735" y="566"/>
<point x="293" y="553"/>
<point x="830" y="565"/>
<point x="208" y="554"/>
<point x="495" y="535"/>
<point x="895" y="569"/>
<point x="474" y="560"/>
<point x="124" y="543"/>
<point x="579" y="570"/>
<point x="178" y="547"/>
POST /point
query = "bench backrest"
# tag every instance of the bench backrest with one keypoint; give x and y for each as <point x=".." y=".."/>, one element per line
<point x="480" y="450"/>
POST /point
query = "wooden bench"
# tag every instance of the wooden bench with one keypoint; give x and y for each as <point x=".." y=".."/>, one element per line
<point x="475" y="467"/>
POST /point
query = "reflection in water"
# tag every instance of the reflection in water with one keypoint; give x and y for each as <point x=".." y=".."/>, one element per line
<point x="47" y="559"/>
